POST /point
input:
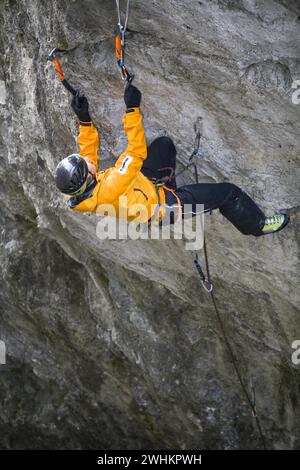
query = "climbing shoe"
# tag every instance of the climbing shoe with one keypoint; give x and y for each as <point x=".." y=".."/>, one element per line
<point x="274" y="223"/>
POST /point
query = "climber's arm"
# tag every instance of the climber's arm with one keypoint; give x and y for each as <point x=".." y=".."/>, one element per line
<point x="88" y="141"/>
<point x="130" y="162"/>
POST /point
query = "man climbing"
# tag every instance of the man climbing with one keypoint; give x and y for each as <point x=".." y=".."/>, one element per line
<point x="139" y="168"/>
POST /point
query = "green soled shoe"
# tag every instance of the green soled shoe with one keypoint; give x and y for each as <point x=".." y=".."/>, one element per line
<point x="274" y="223"/>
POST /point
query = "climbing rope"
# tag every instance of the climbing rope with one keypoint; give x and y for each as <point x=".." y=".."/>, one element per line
<point x="252" y="403"/>
<point x="208" y="286"/>
<point x="120" y="43"/>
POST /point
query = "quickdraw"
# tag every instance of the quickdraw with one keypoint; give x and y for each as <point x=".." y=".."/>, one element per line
<point x="53" y="56"/>
<point x="205" y="282"/>
<point x="253" y="381"/>
<point x="196" y="153"/>
<point x="120" y="44"/>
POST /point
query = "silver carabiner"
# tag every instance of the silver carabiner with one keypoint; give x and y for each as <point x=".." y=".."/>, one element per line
<point x="208" y="286"/>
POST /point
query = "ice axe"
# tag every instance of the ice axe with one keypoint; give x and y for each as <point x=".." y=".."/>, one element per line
<point x="53" y="56"/>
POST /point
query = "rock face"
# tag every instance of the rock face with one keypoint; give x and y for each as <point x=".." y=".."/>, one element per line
<point x="114" y="344"/>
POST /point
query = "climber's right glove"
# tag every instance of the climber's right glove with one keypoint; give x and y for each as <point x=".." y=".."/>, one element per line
<point x="132" y="97"/>
<point x="80" y="106"/>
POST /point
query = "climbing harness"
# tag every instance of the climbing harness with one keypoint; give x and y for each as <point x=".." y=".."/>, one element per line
<point x="165" y="179"/>
<point x="120" y="44"/>
<point x="53" y="56"/>
<point x="179" y="205"/>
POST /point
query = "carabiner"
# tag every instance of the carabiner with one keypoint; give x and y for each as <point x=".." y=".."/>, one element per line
<point x="208" y="286"/>
<point x="120" y="45"/>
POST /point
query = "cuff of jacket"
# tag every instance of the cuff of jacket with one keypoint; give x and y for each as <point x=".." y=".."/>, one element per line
<point x="132" y="110"/>
<point x="86" y="123"/>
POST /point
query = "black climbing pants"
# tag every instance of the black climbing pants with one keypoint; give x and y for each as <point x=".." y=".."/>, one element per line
<point x="233" y="203"/>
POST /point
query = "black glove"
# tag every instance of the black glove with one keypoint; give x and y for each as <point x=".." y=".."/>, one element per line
<point x="80" y="106"/>
<point x="132" y="97"/>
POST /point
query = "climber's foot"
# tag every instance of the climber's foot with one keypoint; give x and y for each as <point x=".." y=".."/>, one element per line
<point x="274" y="223"/>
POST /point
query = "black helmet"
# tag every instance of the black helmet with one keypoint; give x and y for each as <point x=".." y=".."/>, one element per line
<point x="71" y="174"/>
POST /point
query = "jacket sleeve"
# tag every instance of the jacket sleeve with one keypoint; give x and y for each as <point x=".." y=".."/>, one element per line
<point x="88" y="141"/>
<point x="130" y="162"/>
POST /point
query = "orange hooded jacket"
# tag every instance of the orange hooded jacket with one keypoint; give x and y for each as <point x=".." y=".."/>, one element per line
<point x="123" y="180"/>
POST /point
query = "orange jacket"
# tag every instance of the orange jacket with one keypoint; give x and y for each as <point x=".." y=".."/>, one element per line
<point x="125" y="178"/>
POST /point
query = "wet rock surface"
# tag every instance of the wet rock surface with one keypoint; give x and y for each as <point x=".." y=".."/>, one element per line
<point x="114" y="344"/>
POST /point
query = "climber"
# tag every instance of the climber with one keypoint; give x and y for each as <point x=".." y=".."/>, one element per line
<point x="137" y="171"/>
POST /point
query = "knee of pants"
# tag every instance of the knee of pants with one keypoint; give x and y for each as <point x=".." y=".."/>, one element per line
<point x="165" y="140"/>
<point x="230" y="192"/>
<point x="163" y="146"/>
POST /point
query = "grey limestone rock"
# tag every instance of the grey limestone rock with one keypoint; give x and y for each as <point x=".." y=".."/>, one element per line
<point x="114" y="344"/>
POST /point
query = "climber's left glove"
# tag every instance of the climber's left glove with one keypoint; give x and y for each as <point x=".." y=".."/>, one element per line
<point x="132" y="97"/>
<point x="80" y="106"/>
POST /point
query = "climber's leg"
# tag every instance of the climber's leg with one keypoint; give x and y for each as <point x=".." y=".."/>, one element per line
<point x="233" y="203"/>
<point x="161" y="154"/>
